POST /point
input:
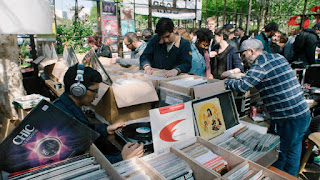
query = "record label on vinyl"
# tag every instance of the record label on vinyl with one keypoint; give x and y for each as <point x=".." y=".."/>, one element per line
<point x="138" y="131"/>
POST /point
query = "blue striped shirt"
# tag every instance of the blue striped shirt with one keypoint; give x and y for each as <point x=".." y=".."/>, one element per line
<point x="278" y="86"/>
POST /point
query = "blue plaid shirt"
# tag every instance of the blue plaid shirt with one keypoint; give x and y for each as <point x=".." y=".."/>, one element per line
<point x="278" y="86"/>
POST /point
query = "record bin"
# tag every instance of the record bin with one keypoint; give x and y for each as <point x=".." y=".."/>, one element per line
<point x="235" y="162"/>
<point x="231" y="118"/>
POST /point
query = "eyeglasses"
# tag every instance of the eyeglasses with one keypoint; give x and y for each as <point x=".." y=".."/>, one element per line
<point x="128" y="44"/>
<point x="94" y="90"/>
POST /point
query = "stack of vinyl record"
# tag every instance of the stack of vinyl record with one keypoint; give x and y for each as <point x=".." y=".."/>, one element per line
<point x="250" y="144"/>
<point x="77" y="168"/>
<point x="206" y="157"/>
<point x="171" y="166"/>
<point x="246" y="173"/>
<point x="129" y="169"/>
<point x="188" y="82"/>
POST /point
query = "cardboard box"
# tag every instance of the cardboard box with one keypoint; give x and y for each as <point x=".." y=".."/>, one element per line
<point x="202" y="90"/>
<point x="126" y="102"/>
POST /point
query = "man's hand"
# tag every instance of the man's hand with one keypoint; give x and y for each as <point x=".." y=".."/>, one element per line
<point x="225" y="74"/>
<point x="130" y="150"/>
<point x="113" y="127"/>
<point x="213" y="54"/>
<point x="148" y="70"/>
<point x="171" y="73"/>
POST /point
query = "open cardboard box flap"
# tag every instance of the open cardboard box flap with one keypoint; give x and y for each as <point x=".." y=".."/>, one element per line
<point x="133" y="94"/>
<point x="60" y="68"/>
<point x="214" y="86"/>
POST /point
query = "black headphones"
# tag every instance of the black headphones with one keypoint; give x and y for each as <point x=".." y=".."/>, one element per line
<point x="78" y="89"/>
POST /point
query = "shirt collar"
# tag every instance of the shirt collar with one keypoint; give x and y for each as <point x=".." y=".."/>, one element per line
<point x="176" y="41"/>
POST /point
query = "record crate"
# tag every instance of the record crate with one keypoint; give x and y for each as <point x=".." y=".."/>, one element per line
<point x="232" y="123"/>
<point x="235" y="162"/>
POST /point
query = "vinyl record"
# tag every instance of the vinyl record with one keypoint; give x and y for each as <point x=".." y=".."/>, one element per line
<point x="138" y="131"/>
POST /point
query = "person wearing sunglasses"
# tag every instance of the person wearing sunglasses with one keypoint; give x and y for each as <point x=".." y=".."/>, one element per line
<point x="81" y="88"/>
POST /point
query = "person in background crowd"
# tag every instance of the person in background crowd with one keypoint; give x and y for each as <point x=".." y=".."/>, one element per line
<point x="138" y="33"/>
<point x="193" y="35"/>
<point x="200" y="54"/>
<point x="241" y="35"/>
<point x="166" y="50"/>
<point x="232" y="39"/>
<point x="181" y="30"/>
<point x="212" y="23"/>
<point x="226" y="61"/>
<point x="275" y="48"/>
<point x="71" y="103"/>
<point x="185" y="35"/>
<point x="101" y="49"/>
<point x="282" y="42"/>
<point x="147" y="34"/>
<point x="288" y="48"/>
<point x="137" y="47"/>
<point x="267" y="33"/>
<point x="305" y="45"/>
<point x="282" y="95"/>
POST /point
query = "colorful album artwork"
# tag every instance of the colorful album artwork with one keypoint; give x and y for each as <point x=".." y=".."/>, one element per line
<point x="46" y="135"/>
<point x="109" y="8"/>
<point x="209" y="119"/>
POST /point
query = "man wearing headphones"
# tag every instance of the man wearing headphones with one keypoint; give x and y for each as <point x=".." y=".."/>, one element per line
<point x="81" y="88"/>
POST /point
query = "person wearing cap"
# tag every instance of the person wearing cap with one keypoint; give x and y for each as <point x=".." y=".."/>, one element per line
<point x="225" y="60"/>
<point x="232" y="39"/>
<point x="265" y="35"/>
<point x="239" y="33"/>
<point x="166" y="50"/>
<point x="305" y="46"/>
<point x="282" y="95"/>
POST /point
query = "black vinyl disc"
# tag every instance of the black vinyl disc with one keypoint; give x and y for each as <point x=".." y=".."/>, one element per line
<point x="138" y="131"/>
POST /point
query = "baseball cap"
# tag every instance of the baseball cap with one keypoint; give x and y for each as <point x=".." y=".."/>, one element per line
<point x="250" y="44"/>
<point x="229" y="27"/>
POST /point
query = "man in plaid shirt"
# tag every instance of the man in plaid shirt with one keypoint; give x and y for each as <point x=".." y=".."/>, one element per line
<point x="282" y="95"/>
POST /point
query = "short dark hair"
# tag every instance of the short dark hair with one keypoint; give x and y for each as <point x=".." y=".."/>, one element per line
<point x="147" y="34"/>
<point x="90" y="76"/>
<point x="222" y="31"/>
<point x="271" y="27"/>
<point x="204" y="34"/>
<point x="131" y="36"/>
<point x="194" y="30"/>
<point x="164" y="25"/>
<point x="240" y="28"/>
<point x="95" y="39"/>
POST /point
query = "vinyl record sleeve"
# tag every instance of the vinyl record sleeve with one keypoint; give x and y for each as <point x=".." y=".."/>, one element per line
<point x="209" y="118"/>
<point x="171" y="125"/>
<point x="46" y="135"/>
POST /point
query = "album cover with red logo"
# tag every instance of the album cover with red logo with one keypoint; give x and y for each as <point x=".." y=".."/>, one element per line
<point x="46" y="135"/>
<point x="171" y="125"/>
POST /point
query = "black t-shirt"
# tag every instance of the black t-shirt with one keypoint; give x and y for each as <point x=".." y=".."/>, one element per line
<point x="219" y="64"/>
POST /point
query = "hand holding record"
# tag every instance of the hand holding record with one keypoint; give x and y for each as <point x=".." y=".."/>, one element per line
<point x="115" y="126"/>
<point x="132" y="149"/>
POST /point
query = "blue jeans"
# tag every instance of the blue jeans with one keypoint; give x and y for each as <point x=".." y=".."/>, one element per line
<point x="291" y="133"/>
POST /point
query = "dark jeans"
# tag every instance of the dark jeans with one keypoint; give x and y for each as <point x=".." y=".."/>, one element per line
<point x="291" y="133"/>
<point x="117" y="157"/>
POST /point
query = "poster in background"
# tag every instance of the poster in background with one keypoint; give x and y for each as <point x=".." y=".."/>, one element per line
<point x="126" y="12"/>
<point x="109" y="8"/>
<point x="127" y="26"/>
<point x="110" y="26"/>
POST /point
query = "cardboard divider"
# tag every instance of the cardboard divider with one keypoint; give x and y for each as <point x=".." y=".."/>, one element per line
<point x="150" y="171"/>
<point x="199" y="170"/>
<point x="105" y="164"/>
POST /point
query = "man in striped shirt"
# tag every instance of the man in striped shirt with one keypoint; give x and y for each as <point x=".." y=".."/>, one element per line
<point x="282" y="95"/>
